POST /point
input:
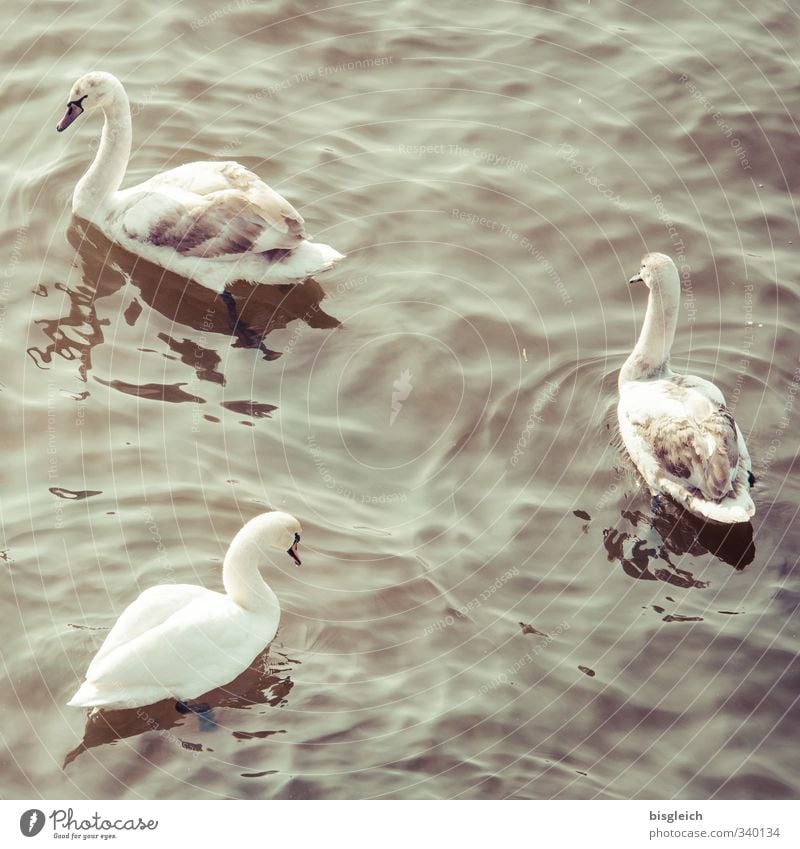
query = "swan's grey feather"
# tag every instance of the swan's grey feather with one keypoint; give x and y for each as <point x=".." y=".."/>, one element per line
<point x="211" y="210"/>
<point x="699" y="448"/>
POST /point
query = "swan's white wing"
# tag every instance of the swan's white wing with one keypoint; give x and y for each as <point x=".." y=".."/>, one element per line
<point x="154" y="606"/>
<point x="216" y="210"/>
<point x="677" y="432"/>
<point x="204" y="645"/>
<point x="713" y="393"/>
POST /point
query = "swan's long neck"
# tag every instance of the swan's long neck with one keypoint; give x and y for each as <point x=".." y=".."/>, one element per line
<point x="242" y="578"/>
<point x="106" y="173"/>
<point x="650" y="356"/>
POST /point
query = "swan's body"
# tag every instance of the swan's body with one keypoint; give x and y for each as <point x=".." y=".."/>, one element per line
<point x="179" y="641"/>
<point x="676" y="428"/>
<point x="215" y="222"/>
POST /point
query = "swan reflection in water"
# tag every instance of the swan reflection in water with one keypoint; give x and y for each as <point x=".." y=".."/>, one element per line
<point x="672" y="530"/>
<point x="106" y="268"/>
<point x="266" y="682"/>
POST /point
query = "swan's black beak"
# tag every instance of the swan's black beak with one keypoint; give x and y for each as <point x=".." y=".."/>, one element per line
<point x="637" y="278"/>
<point x="292" y="551"/>
<point x="74" y="110"/>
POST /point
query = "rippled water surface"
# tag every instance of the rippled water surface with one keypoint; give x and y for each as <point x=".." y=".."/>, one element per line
<point x="488" y="606"/>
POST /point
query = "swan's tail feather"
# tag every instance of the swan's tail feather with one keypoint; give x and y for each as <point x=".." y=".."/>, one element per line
<point x="87" y="696"/>
<point x="91" y="696"/>
<point x="730" y="511"/>
<point x="306" y="260"/>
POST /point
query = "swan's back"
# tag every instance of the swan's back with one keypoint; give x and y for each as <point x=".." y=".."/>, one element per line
<point x="153" y="607"/>
<point x="685" y="442"/>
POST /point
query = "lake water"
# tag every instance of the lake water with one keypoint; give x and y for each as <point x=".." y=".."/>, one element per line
<point x="488" y="607"/>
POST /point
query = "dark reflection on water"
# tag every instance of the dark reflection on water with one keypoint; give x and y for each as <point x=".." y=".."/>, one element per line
<point x="73" y="336"/>
<point x="105" y="268"/>
<point x="684" y="533"/>
<point x="266" y="681"/>
<point x="672" y="530"/>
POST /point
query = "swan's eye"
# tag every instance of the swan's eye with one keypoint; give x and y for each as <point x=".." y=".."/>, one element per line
<point x="77" y="104"/>
<point x="292" y="550"/>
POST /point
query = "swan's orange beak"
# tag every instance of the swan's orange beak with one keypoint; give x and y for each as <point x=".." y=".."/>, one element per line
<point x="74" y="110"/>
<point x="292" y="551"/>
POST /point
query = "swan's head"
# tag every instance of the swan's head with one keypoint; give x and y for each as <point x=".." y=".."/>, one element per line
<point x="278" y="531"/>
<point x="657" y="271"/>
<point x="95" y="90"/>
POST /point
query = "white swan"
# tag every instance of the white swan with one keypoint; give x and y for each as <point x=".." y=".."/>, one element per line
<point x="676" y="428"/>
<point x="214" y="222"/>
<point x="179" y="641"/>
